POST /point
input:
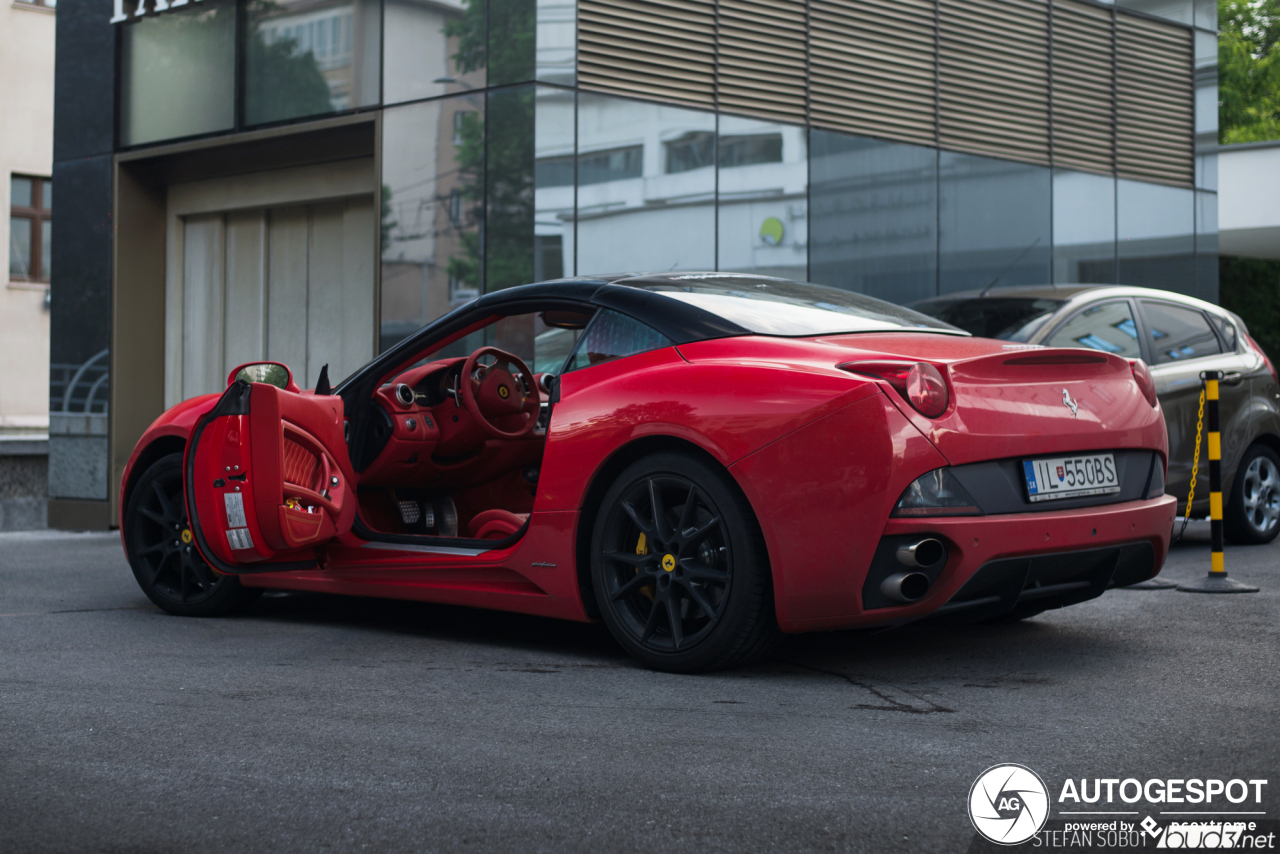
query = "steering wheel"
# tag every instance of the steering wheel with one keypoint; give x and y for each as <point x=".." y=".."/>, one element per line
<point x="491" y="392"/>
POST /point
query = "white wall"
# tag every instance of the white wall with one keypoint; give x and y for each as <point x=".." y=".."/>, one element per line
<point x="1249" y="200"/>
<point x="26" y="147"/>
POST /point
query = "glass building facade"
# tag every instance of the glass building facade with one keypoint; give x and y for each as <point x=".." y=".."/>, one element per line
<point x="491" y="162"/>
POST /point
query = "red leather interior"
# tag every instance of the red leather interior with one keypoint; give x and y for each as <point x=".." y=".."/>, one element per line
<point x="497" y="524"/>
<point x="300" y="465"/>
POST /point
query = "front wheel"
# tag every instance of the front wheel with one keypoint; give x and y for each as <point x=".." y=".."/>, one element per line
<point x="679" y="567"/>
<point x="164" y="559"/>
<point x="1253" y="512"/>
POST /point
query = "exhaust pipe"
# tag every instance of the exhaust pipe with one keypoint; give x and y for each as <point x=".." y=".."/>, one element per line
<point x="925" y="554"/>
<point x="905" y="586"/>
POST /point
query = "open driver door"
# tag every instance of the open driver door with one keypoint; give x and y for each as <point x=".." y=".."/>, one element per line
<point x="268" y="478"/>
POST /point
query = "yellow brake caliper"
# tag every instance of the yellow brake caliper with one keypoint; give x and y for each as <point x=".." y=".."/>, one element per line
<point x="642" y="548"/>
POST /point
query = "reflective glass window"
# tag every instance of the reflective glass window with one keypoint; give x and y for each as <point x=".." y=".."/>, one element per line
<point x="764" y="204"/>
<point x="1207" y="246"/>
<point x="1226" y="331"/>
<point x="993" y="223"/>
<point x="553" y="248"/>
<point x="646" y="220"/>
<point x="432" y="49"/>
<point x="307" y="59"/>
<point x="612" y="336"/>
<point x="1108" y="327"/>
<point x="1155" y="228"/>
<point x="873" y="216"/>
<point x="432" y="208"/>
<point x="1084" y="227"/>
<point x="30" y="228"/>
<point x="1178" y="333"/>
<point x="557" y="31"/>
<point x="178" y="73"/>
<point x="510" y="153"/>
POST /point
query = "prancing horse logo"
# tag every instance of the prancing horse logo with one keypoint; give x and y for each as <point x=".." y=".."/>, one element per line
<point x="1074" y="405"/>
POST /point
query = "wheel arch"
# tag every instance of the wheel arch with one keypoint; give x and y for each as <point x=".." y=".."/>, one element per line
<point x="604" y="477"/>
<point x="162" y="446"/>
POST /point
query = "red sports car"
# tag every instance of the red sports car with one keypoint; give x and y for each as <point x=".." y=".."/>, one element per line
<point x="700" y="460"/>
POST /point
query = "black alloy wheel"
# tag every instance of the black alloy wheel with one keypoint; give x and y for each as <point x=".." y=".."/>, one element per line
<point x="163" y="554"/>
<point x="679" y="568"/>
<point x="1252" y="514"/>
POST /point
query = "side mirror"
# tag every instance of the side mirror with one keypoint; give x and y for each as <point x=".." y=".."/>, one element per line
<point x="271" y="373"/>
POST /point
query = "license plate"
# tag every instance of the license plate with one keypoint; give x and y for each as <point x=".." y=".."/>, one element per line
<point x="1071" y="477"/>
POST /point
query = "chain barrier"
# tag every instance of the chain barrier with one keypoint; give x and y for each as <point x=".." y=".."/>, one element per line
<point x="1195" y="468"/>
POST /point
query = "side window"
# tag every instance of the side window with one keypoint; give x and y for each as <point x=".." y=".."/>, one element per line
<point x="1227" y="330"/>
<point x="1108" y="327"/>
<point x="1178" y="333"/>
<point x="611" y="336"/>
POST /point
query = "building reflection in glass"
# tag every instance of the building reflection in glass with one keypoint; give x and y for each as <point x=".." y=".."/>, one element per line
<point x="308" y="58"/>
<point x="432" y="207"/>
<point x="646" y="186"/>
<point x="1155" y="229"/>
<point x="873" y="216"/>
<point x="1084" y="227"/>
<point x="763" y="222"/>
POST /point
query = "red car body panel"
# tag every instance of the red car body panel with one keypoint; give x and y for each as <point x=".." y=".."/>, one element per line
<point x="821" y="453"/>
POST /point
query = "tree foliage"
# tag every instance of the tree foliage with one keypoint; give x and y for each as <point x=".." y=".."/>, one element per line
<point x="1251" y="288"/>
<point x="1248" y="70"/>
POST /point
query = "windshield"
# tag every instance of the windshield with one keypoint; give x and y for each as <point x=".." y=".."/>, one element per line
<point x="1006" y="318"/>
<point x="768" y="306"/>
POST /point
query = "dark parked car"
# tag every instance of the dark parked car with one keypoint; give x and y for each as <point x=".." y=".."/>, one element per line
<point x="1178" y="336"/>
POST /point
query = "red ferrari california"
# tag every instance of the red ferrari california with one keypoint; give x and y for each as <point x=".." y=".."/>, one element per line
<point x="700" y="460"/>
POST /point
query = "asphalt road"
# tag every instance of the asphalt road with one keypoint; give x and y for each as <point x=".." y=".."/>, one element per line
<point x="321" y="724"/>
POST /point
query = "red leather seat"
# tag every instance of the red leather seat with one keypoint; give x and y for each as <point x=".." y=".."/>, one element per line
<point x="497" y="524"/>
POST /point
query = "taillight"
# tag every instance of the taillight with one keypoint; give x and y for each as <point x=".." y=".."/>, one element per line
<point x="927" y="390"/>
<point x="1142" y="376"/>
<point x="919" y="382"/>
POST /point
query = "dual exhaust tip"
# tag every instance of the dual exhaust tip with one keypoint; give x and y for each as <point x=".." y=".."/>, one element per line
<point x="907" y="587"/>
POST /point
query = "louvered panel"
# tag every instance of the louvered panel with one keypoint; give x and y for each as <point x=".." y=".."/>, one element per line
<point x="661" y="49"/>
<point x="1083" y="81"/>
<point x="872" y="67"/>
<point x="1155" y="116"/>
<point x="993" y="86"/>
<point x="762" y="58"/>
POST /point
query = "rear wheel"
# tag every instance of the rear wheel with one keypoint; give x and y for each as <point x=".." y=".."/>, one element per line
<point x="164" y="558"/>
<point x="1253" y="511"/>
<point x="679" y="568"/>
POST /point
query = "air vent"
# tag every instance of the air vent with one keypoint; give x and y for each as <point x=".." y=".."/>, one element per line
<point x="1155" y="117"/>
<point x="662" y="49"/>
<point x="1083" y="80"/>
<point x="993" y="84"/>
<point x="761" y="58"/>
<point x="872" y="68"/>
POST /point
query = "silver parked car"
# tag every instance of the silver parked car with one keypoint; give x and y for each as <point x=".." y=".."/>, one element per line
<point x="1178" y="337"/>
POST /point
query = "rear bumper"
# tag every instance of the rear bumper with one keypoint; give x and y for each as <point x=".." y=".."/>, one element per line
<point x="1050" y="559"/>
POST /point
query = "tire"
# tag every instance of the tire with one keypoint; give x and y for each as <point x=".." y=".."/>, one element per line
<point x="707" y="603"/>
<point x="165" y="562"/>
<point x="1253" y="508"/>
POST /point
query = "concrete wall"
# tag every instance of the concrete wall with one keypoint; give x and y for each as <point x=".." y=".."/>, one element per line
<point x="24" y="483"/>
<point x="26" y="147"/>
<point x="1249" y="200"/>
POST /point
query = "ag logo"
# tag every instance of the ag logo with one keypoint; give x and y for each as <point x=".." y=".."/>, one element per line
<point x="503" y="392"/>
<point x="668" y="562"/>
<point x="186" y="536"/>
<point x="1008" y="804"/>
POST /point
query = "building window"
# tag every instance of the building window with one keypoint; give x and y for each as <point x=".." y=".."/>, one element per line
<point x="692" y="150"/>
<point x="750" y="149"/>
<point x="30" y="228"/>
<point x="599" y="167"/>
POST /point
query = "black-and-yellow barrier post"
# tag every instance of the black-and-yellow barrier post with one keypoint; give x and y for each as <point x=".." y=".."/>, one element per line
<point x="1216" y="581"/>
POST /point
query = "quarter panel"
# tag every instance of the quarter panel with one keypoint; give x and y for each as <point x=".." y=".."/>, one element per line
<point x="823" y="495"/>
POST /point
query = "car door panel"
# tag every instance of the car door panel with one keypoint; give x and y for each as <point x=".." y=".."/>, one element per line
<point x="268" y="479"/>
